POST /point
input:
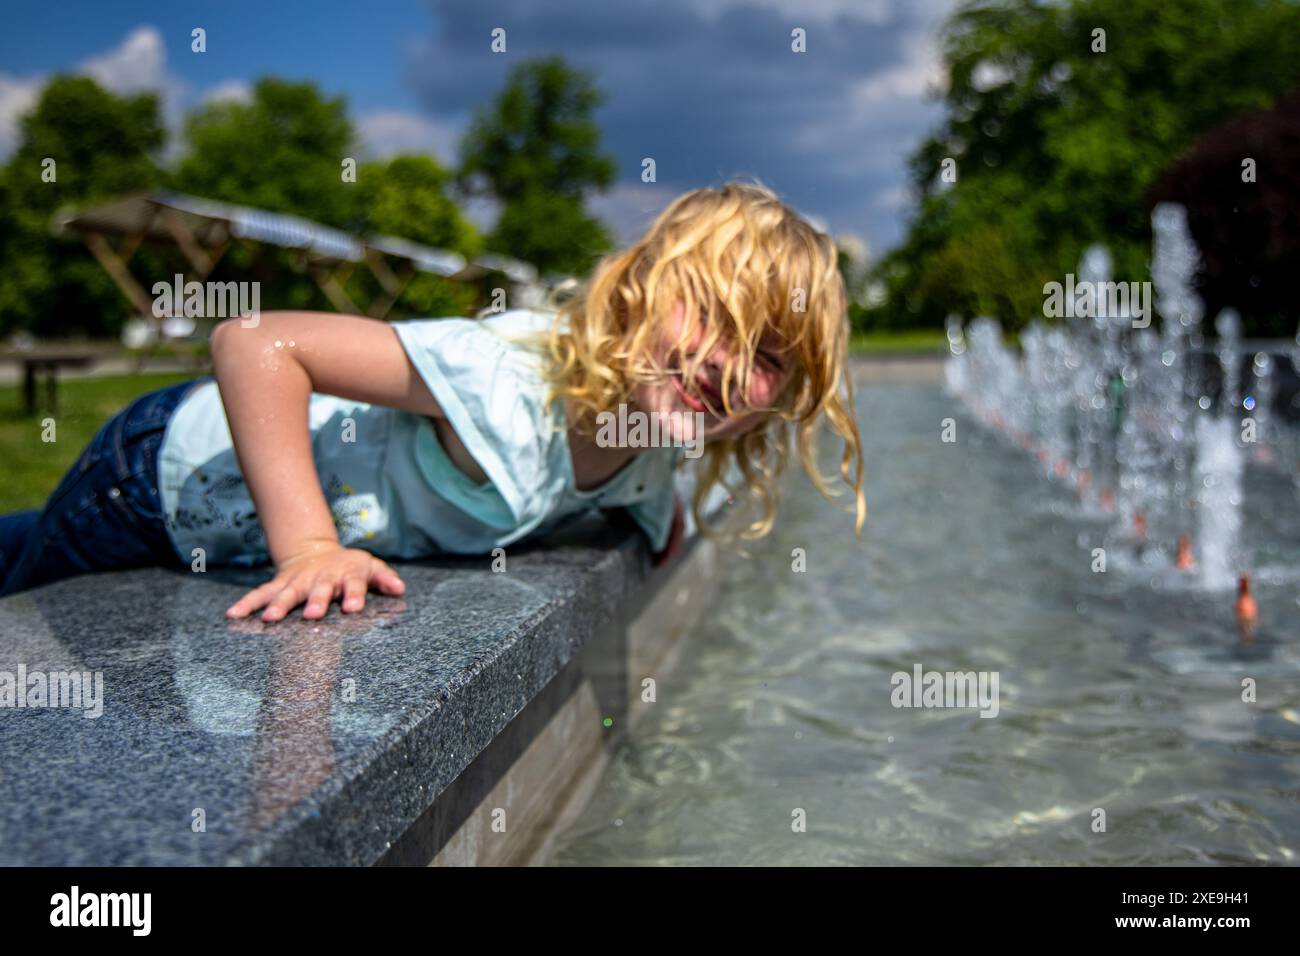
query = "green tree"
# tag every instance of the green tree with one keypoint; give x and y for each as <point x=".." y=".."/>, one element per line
<point x="536" y="151"/>
<point x="1057" y="143"/>
<point x="407" y="197"/>
<point x="282" y="151"/>
<point x="102" y="146"/>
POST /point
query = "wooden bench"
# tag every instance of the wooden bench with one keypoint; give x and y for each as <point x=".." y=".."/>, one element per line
<point x="49" y="361"/>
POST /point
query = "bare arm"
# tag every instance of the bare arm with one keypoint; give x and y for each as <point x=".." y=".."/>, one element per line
<point x="266" y="374"/>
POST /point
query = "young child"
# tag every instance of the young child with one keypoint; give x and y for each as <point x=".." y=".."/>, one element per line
<point x="325" y="443"/>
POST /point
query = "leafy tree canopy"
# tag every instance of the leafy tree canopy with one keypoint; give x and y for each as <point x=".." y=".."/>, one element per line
<point x="536" y="150"/>
<point x="102" y="146"/>
<point x="283" y="151"/>
<point x="1057" y="132"/>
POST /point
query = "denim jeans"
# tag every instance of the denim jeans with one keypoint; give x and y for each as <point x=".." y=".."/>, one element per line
<point x="106" y="514"/>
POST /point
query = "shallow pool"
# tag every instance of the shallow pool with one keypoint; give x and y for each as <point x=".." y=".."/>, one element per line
<point x="1117" y="691"/>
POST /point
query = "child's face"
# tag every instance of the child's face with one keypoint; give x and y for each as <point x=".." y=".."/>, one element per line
<point x="771" y="371"/>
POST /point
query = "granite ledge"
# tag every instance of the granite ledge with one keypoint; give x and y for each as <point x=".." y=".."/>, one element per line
<point x="299" y="743"/>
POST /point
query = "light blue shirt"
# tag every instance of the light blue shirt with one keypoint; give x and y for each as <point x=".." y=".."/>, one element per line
<point x="390" y="485"/>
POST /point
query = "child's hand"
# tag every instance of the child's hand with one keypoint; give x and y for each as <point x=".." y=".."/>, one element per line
<point x="318" y="576"/>
<point x="675" y="536"/>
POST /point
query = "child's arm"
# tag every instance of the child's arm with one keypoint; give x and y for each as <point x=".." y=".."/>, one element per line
<point x="266" y="374"/>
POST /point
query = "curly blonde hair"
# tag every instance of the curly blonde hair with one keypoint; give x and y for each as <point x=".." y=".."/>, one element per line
<point x="753" y="266"/>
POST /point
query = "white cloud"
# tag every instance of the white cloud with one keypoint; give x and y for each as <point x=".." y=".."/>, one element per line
<point x="920" y="72"/>
<point x="233" y="91"/>
<point x="17" y="96"/>
<point x="388" y="132"/>
<point x="139" y="63"/>
<point x="136" y="65"/>
<point x="885" y="113"/>
<point x="879" y="109"/>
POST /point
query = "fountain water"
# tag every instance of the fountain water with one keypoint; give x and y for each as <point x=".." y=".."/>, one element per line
<point x="1228" y="325"/>
<point x="1218" y="470"/>
<point x="1261" y="399"/>
<point x="1122" y="414"/>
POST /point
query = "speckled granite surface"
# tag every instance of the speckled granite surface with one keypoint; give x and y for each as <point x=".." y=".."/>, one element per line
<point x="295" y="743"/>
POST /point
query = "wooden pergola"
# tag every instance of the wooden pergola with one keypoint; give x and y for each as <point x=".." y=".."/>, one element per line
<point x="394" y="262"/>
<point x="204" y="230"/>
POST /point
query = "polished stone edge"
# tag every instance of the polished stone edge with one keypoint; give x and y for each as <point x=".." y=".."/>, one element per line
<point x="356" y="820"/>
<point x="355" y="817"/>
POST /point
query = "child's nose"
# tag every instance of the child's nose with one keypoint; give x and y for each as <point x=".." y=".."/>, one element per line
<point x="715" y="364"/>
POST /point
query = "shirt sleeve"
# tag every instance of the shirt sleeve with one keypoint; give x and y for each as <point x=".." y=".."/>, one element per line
<point x="491" y="401"/>
<point x="654" y="513"/>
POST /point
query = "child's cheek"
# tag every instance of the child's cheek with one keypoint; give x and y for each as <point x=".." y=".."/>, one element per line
<point x="761" y="392"/>
<point x="769" y="387"/>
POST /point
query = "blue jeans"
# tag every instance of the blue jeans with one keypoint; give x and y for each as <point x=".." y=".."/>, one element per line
<point x="106" y="514"/>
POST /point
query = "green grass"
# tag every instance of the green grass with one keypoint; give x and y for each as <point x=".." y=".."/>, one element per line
<point x="30" y="467"/>
<point x="908" y="340"/>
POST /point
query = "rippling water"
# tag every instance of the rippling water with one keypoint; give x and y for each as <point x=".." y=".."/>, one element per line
<point x="1119" y="691"/>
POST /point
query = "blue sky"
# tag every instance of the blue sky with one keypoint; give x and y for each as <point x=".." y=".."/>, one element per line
<point x="709" y="88"/>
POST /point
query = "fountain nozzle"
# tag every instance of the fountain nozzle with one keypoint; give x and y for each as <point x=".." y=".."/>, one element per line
<point x="1246" y="610"/>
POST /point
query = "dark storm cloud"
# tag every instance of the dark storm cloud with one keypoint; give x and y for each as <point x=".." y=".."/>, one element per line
<point x="712" y="91"/>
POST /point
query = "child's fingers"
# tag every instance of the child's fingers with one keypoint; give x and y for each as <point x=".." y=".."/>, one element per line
<point x="354" y="593"/>
<point x="385" y="579"/>
<point x="254" y="599"/>
<point x="318" y="600"/>
<point x="283" y="593"/>
<point x="286" y="599"/>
